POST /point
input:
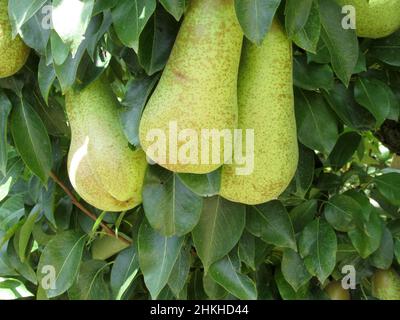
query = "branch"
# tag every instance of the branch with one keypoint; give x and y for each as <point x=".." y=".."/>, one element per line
<point x="76" y="203"/>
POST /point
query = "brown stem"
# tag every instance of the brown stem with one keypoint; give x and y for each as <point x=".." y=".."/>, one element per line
<point x="76" y="203"/>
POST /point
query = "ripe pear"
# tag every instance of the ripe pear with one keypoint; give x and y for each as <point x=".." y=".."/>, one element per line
<point x="375" y="18"/>
<point x="335" y="291"/>
<point x="198" y="88"/>
<point x="14" y="52"/>
<point x="266" y="105"/>
<point x="386" y="285"/>
<point x="102" y="167"/>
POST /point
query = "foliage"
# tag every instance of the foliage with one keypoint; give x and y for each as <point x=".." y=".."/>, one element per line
<point x="342" y="207"/>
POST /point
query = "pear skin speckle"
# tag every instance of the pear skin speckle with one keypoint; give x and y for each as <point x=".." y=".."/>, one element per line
<point x="102" y="168"/>
<point x="266" y="104"/>
<point x="376" y="18"/>
<point x="14" y="52"/>
<point x="198" y="88"/>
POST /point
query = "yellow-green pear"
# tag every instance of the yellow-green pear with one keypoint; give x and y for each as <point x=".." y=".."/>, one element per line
<point x="197" y="91"/>
<point x="14" y="52"/>
<point x="266" y="105"/>
<point x="386" y="285"/>
<point x="375" y="18"/>
<point x="102" y="168"/>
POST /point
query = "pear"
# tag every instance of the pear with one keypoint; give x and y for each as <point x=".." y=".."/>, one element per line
<point x="396" y="162"/>
<point x="106" y="247"/>
<point x="14" y="52"/>
<point x="102" y="168"/>
<point x="197" y="91"/>
<point x="375" y="18"/>
<point x="266" y="105"/>
<point x="386" y="285"/>
<point x="335" y="291"/>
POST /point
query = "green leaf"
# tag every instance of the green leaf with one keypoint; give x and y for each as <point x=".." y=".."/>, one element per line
<point x="383" y="257"/>
<point x="341" y="211"/>
<point x="344" y="149"/>
<point x="367" y="237"/>
<point x="70" y="20"/>
<point x="213" y="290"/>
<point x="31" y="139"/>
<point x="225" y="274"/>
<point x="157" y="257"/>
<point x="247" y="249"/>
<point x="26" y="231"/>
<point x="4" y="113"/>
<point x="12" y="289"/>
<point x="156" y="41"/>
<point x="175" y="7"/>
<point x="210" y="237"/>
<point x="272" y="223"/>
<point x="387" y="49"/>
<point x="341" y="43"/>
<point x="375" y="96"/>
<point x="255" y="17"/>
<point x="137" y="93"/>
<point x="308" y="37"/>
<point x="316" y="124"/>
<point x="303" y="214"/>
<point x="11" y="211"/>
<point x="342" y="101"/>
<point x="287" y="292"/>
<point x="318" y="246"/>
<point x="312" y="76"/>
<point x="36" y="31"/>
<point x="46" y="77"/>
<point x="90" y="284"/>
<point x="170" y="207"/>
<point x="389" y="185"/>
<point x="180" y="272"/>
<point x="64" y="254"/>
<point x="129" y="18"/>
<point x="204" y="185"/>
<point x="20" y="11"/>
<point x="24" y="269"/>
<point x="15" y="167"/>
<point x="294" y="270"/>
<point x="124" y="271"/>
<point x="296" y="15"/>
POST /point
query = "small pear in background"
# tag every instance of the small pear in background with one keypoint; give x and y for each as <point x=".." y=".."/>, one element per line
<point x="375" y="18"/>
<point x="14" y="52"/>
<point x="198" y="89"/>
<point x="103" y="169"/>
<point x="266" y="104"/>
<point x="386" y="285"/>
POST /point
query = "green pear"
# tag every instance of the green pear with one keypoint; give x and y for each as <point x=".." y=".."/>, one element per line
<point x="266" y="105"/>
<point x="197" y="90"/>
<point x="14" y="52"/>
<point x="102" y="168"/>
<point x="375" y="18"/>
<point x="106" y="247"/>
<point x="335" y="291"/>
<point x="386" y="285"/>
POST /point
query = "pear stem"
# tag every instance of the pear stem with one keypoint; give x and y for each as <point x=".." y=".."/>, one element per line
<point x="76" y="203"/>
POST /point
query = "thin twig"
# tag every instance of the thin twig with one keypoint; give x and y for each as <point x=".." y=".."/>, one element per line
<point x="76" y="203"/>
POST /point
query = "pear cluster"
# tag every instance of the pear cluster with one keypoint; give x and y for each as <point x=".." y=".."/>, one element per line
<point x="211" y="81"/>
